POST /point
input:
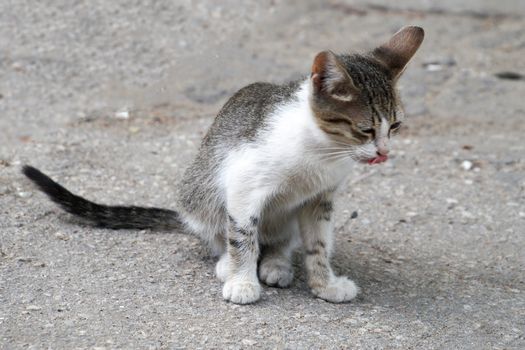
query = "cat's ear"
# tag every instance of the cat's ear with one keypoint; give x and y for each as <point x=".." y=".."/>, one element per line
<point x="330" y="78"/>
<point x="396" y="53"/>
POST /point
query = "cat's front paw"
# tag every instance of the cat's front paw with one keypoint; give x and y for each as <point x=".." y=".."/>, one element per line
<point x="276" y="273"/>
<point x="241" y="292"/>
<point x="339" y="290"/>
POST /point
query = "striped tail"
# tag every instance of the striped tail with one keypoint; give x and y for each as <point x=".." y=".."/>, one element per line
<point x="114" y="217"/>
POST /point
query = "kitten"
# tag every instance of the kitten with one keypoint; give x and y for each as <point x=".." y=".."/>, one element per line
<point x="266" y="173"/>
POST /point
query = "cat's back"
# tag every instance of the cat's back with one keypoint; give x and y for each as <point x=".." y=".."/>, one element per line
<point x="246" y="113"/>
<point x="244" y="116"/>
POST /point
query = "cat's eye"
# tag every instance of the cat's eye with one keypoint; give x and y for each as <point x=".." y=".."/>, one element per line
<point x="369" y="131"/>
<point x="395" y="126"/>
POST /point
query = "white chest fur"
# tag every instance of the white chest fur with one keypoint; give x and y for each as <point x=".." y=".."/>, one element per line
<point x="286" y="163"/>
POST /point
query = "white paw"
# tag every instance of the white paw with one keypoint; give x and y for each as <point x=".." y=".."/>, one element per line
<point x="276" y="273"/>
<point x="222" y="269"/>
<point x="339" y="290"/>
<point x="241" y="292"/>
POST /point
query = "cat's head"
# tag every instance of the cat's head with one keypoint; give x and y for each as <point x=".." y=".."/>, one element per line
<point x="354" y="97"/>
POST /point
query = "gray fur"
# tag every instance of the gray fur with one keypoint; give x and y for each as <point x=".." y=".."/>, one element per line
<point x="239" y="121"/>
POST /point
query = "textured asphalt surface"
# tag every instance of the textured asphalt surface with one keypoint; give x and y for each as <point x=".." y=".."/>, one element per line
<point x="112" y="98"/>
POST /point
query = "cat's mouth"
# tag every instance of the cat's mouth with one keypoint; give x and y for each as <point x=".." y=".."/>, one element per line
<point x="376" y="160"/>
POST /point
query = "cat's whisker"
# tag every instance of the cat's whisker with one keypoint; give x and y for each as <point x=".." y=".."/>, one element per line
<point x="336" y="156"/>
<point x="337" y="152"/>
<point x="316" y="150"/>
<point x="332" y="148"/>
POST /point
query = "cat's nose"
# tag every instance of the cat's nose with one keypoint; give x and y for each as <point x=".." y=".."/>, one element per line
<point x="382" y="146"/>
<point x="382" y="151"/>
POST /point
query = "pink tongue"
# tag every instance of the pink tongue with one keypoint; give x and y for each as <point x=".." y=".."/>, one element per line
<point x="377" y="160"/>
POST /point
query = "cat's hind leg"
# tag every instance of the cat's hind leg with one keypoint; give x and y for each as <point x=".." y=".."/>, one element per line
<point x="222" y="269"/>
<point x="275" y="267"/>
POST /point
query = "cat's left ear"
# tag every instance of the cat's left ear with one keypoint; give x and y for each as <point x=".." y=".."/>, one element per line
<point x="397" y="52"/>
<point x="330" y="79"/>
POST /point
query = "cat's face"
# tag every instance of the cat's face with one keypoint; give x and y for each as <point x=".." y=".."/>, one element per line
<point x="354" y="97"/>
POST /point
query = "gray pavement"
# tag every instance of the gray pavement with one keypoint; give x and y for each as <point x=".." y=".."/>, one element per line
<point x="112" y="98"/>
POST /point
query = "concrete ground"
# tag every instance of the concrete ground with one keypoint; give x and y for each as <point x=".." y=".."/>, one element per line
<point x="112" y="98"/>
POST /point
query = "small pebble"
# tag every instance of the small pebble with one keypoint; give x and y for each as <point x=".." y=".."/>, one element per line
<point x="124" y="114"/>
<point x="62" y="236"/>
<point x="33" y="308"/>
<point x="349" y="321"/>
<point x="466" y="165"/>
<point x="17" y="66"/>
<point x="248" y="342"/>
<point x="438" y="65"/>
<point x="24" y="194"/>
<point x="25" y="259"/>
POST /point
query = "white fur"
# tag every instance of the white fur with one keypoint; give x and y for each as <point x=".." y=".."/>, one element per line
<point x="276" y="272"/>
<point x="340" y="289"/>
<point x="222" y="269"/>
<point x="290" y="149"/>
<point x="382" y="139"/>
<point x="286" y="165"/>
<point x="241" y="291"/>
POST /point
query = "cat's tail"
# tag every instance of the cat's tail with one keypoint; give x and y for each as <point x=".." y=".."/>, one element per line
<point x="114" y="217"/>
